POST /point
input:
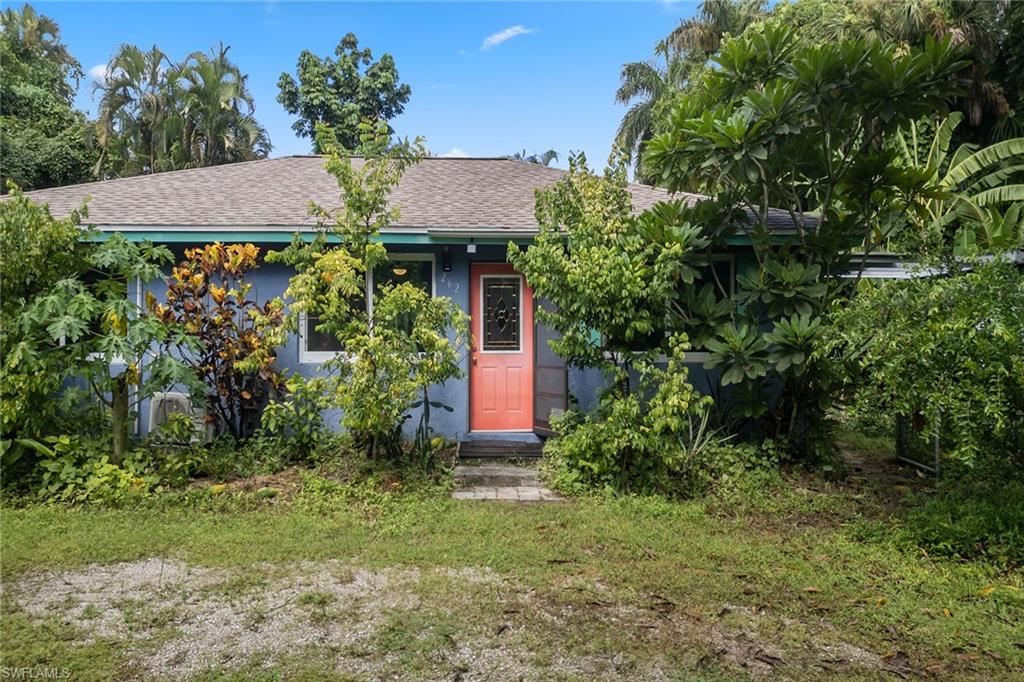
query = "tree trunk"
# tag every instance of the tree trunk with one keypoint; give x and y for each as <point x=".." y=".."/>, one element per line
<point x="119" y="419"/>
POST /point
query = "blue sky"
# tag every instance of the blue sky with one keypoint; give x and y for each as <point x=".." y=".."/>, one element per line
<point x="545" y="79"/>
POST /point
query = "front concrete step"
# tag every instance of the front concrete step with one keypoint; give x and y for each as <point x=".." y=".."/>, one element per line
<point x="495" y="476"/>
<point x="499" y="449"/>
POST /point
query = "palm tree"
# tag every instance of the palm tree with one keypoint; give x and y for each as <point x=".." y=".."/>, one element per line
<point x="155" y="115"/>
<point x="643" y="86"/>
<point x="216" y="111"/>
<point x="543" y="159"/>
<point x="700" y="37"/>
<point x="133" y="113"/>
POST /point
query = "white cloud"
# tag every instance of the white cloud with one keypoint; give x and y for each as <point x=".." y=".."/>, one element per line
<point x="455" y="153"/>
<point x="505" y="34"/>
<point x="98" y="73"/>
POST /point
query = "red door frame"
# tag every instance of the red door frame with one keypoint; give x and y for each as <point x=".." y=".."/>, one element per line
<point x="522" y="420"/>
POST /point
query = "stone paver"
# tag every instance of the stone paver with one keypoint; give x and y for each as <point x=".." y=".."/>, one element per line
<point x="501" y="482"/>
<point x="517" y="494"/>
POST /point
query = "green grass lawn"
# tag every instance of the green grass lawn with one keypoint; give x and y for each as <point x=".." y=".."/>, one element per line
<point x="809" y="580"/>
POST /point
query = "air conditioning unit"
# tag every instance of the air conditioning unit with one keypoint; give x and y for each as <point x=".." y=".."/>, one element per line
<point x="162" y="405"/>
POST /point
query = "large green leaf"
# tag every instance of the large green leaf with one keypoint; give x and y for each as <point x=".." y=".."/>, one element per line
<point x="999" y="195"/>
<point x="940" y="145"/>
<point x="1007" y="150"/>
<point x="995" y="178"/>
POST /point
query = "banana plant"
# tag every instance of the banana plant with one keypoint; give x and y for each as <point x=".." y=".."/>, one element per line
<point x="998" y="231"/>
<point x="969" y="188"/>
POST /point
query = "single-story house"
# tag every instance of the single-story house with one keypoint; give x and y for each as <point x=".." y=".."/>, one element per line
<point x="457" y="217"/>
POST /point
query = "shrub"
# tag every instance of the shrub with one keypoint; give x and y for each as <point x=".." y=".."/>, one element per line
<point x="38" y="251"/>
<point x="294" y="422"/>
<point x="650" y="439"/>
<point x="231" y="349"/>
<point x="607" y="286"/>
<point x="950" y="348"/>
<point x="77" y="470"/>
<point x="412" y="342"/>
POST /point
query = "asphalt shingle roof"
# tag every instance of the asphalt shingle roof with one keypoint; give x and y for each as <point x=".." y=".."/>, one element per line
<point x="470" y="194"/>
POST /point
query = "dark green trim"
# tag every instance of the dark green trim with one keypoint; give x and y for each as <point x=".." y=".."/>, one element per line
<point x="206" y="237"/>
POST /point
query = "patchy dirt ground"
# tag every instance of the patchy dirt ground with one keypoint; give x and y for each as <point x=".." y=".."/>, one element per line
<point x="177" y="621"/>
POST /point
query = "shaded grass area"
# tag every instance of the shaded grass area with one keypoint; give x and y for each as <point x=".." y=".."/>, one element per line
<point x="806" y="564"/>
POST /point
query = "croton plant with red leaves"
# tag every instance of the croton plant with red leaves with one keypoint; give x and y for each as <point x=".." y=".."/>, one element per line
<point x="234" y="336"/>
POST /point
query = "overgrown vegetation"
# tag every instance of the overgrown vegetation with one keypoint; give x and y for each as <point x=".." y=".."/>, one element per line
<point x="645" y="578"/>
<point x="410" y="342"/>
<point x="947" y="348"/>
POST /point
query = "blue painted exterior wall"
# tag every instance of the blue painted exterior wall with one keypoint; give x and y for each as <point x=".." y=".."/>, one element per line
<point x="271" y="280"/>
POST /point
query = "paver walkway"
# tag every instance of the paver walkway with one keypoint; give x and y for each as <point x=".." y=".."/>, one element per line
<point x="500" y="482"/>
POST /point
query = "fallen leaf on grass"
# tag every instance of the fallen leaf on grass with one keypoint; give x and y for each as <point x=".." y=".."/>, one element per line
<point x="898" y="663"/>
<point x="947" y="613"/>
<point x="987" y="590"/>
<point x="968" y="657"/>
<point x="812" y="589"/>
<point x="879" y="602"/>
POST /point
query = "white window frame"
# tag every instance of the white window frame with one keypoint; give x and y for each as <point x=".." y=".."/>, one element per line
<point x="117" y="359"/>
<point x="316" y="357"/>
<point x="483" y="314"/>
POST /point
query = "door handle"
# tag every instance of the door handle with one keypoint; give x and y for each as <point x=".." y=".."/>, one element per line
<point x="474" y="360"/>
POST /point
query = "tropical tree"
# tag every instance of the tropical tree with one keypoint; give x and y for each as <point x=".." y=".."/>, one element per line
<point x="979" y="29"/>
<point x="217" y="111"/>
<point x="413" y="341"/>
<point x="156" y="115"/>
<point x="700" y="37"/>
<point x="608" y="285"/>
<point x="980" y="198"/>
<point x="543" y="159"/>
<point x="135" y="105"/>
<point x="107" y="341"/>
<point x="649" y="88"/>
<point x="43" y="139"/>
<point x="644" y="87"/>
<point x="785" y="134"/>
<point x="341" y="93"/>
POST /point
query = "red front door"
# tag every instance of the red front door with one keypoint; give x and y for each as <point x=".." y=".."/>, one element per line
<point x="501" y="359"/>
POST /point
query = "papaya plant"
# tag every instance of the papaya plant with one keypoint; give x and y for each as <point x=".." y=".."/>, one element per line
<point x="115" y="349"/>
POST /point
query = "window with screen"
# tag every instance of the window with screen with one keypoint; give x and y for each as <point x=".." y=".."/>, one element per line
<point x="403" y="268"/>
<point x="417" y="271"/>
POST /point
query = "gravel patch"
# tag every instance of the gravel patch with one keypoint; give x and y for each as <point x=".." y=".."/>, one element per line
<point x="175" y="621"/>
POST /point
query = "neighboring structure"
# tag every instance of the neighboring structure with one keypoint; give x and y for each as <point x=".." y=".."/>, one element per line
<point x="457" y="218"/>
